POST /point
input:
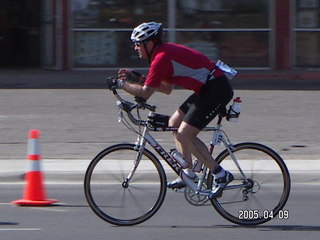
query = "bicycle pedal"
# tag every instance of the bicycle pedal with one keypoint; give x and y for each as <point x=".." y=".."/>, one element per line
<point x="179" y="190"/>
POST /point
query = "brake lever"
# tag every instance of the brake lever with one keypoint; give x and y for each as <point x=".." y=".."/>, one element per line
<point x="140" y="100"/>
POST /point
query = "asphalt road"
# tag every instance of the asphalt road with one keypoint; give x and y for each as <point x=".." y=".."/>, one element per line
<point x="77" y="123"/>
<point x="71" y="218"/>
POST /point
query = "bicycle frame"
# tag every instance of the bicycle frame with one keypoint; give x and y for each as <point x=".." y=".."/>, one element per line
<point x="146" y="137"/>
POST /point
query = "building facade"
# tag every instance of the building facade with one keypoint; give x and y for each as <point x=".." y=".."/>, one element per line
<point x="91" y="34"/>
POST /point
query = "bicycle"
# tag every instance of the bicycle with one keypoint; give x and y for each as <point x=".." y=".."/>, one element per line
<point x="125" y="184"/>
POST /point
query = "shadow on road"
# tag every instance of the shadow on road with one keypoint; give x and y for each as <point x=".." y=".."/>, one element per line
<point x="298" y="228"/>
<point x="276" y="227"/>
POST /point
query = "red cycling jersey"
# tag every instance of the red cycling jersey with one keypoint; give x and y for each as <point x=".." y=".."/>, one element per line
<point x="181" y="66"/>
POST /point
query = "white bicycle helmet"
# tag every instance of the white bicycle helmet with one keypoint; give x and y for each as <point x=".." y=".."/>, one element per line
<point x="146" y="31"/>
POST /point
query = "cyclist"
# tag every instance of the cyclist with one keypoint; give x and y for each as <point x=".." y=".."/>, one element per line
<point x="173" y="64"/>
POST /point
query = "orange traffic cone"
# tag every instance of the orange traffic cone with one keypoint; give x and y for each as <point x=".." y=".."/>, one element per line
<point x="34" y="190"/>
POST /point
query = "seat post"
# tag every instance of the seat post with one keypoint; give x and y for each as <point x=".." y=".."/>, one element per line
<point x="220" y="117"/>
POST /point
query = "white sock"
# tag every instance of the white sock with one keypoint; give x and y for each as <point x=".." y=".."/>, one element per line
<point x="220" y="174"/>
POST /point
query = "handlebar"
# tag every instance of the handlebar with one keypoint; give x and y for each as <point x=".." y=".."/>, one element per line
<point x="127" y="106"/>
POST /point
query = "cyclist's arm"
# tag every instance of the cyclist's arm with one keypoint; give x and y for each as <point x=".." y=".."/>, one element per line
<point x="137" y="90"/>
<point x="146" y="91"/>
<point x="165" y="87"/>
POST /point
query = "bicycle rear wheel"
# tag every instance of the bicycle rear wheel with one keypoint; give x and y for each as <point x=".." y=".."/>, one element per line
<point x="118" y="200"/>
<point x="260" y="197"/>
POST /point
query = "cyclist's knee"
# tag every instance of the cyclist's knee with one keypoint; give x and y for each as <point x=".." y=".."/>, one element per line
<point x="176" y="119"/>
<point x="186" y="133"/>
<point x="179" y="136"/>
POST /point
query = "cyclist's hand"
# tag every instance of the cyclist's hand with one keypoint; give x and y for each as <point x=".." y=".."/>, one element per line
<point x="113" y="83"/>
<point x="135" y="77"/>
<point x="122" y="73"/>
<point x="131" y="76"/>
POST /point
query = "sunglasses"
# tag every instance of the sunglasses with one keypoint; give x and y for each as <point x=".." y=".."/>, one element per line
<point x="138" y="44"/>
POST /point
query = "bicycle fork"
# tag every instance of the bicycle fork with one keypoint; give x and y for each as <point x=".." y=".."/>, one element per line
<point x="139" y="146"/>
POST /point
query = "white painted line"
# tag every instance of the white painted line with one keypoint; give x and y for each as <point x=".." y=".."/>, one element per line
<point x="20" y="229"/>
<point x="49" y="209"/>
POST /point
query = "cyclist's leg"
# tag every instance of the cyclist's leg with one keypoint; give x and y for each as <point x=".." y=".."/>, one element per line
<point x="187" y="136"/>
<point x="214" y="97"/>
<point x="175" y="121"/>
<point x="199" y="113"/>
<point x="190" y="143"/>
<point x="177" y="118"/>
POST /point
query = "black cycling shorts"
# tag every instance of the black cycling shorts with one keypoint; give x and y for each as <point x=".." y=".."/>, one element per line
<point x="201" y="108"/>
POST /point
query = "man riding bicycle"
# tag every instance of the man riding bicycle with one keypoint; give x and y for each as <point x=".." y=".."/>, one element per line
<point x="173" y="64"/>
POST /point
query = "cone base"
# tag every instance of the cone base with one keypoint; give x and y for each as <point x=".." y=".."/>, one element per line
<point x="25" y="202"/>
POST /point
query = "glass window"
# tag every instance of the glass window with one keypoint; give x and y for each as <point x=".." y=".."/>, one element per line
<point x="308" y="13"/>
<point x="308" y="49"/>
<point x="238" y="49"/>
<point x="102" y="30"/>
<point x="223" y="14"/>
<point x="105" y="49"/>
<point x="96" y="46"/>
<point x="307" y="33"/>
<point x="117" y="13"/>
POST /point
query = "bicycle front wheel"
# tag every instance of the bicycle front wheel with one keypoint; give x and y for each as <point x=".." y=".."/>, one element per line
<point x="120" y="193"/>
<point x="260" y="192"/>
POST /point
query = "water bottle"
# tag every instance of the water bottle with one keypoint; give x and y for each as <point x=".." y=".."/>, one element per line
<point x="234" y="110"/>
<point x="179" y="158"/>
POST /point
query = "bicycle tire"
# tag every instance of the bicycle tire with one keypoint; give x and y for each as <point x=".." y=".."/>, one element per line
<point x="114" y="201"/>
<point x="270" y="185"/>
